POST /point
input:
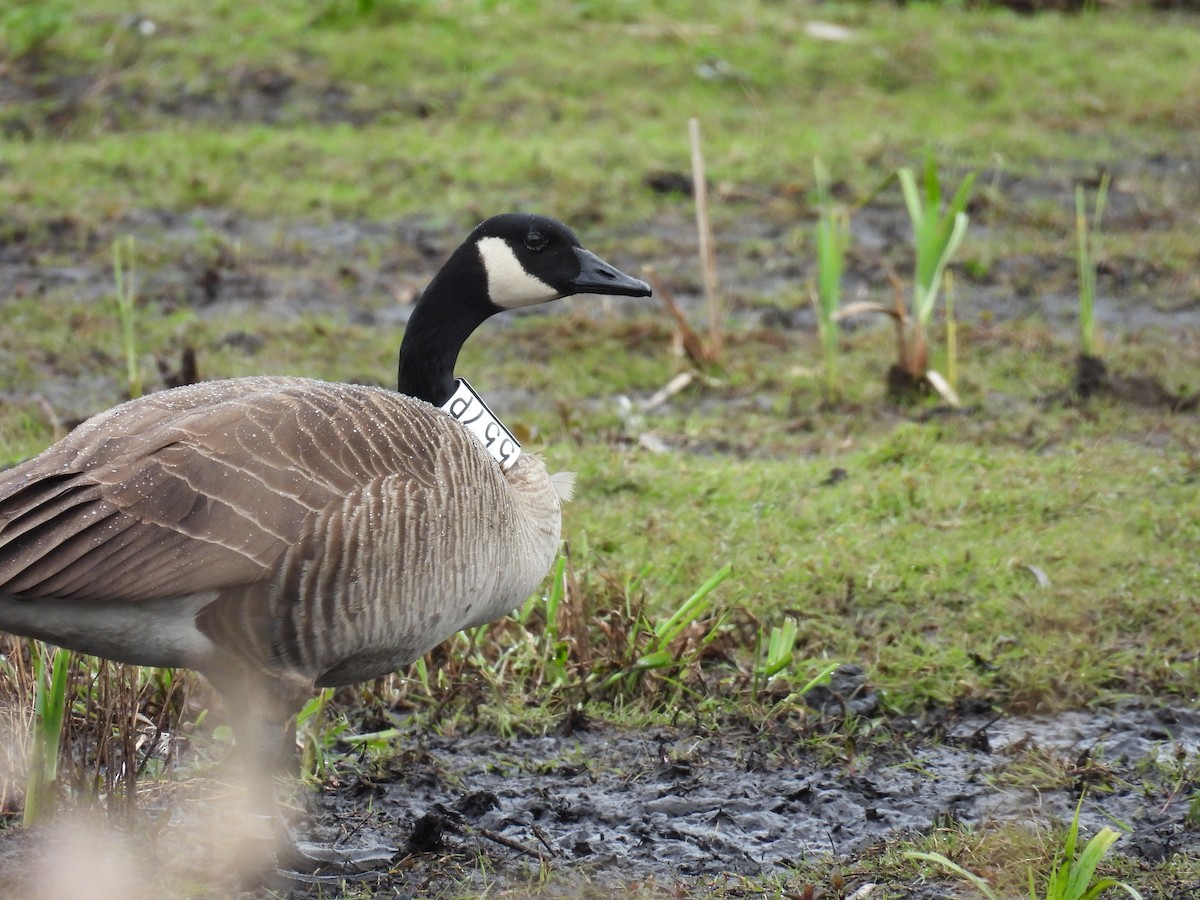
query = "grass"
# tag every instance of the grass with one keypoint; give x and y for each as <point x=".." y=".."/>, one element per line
<point x="50" y="674"/>
<point x="933" y="517"/>
<point x="438" y="144"/>
<point x="28" y="28"/>
<point x="1072" y="875"/>
<point x="227" y="137"/>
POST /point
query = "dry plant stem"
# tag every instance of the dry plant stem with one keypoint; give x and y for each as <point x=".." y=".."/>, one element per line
<point x="514" y="845"/>
<point x="951" y="333"/>
<point x="669" y="390"/>
<point x="708" y="258"/>
<point x="541" y="836"/>
<point x="910" y="339"/>
<point x="693" y="346"/>
<point x="908" y="377"/>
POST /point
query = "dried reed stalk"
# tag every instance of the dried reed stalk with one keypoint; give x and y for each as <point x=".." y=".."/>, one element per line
<point x="708" y="258"/>
<point x="693" y="346"/>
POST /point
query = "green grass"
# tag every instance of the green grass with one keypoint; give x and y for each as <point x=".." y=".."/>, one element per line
<point x="906" y="566"/>
<point x="125" y="279"/>
<point x="1072" y="876"/>
<point x="909" y="565"/>
<point x="41" y="792"/>
<point x="444" y="109"/>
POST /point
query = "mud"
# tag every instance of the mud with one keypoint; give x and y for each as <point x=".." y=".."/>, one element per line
<point x="218" y="261"/>
<point x="687" y="807"/>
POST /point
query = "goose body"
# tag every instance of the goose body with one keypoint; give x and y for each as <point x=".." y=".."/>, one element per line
<point x="214" y="522"/>
<point x="281" y="534"/>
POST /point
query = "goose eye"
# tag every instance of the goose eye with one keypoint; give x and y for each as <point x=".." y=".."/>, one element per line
<point x="535" y="240"/>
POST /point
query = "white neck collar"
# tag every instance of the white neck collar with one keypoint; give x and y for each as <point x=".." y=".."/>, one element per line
<point x="468" y="408"/>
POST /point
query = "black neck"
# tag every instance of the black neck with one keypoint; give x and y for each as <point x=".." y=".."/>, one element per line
<point x="451" y="308"/>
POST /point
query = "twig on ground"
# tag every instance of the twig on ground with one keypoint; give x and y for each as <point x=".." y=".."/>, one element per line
<point x="541" y="836"/>
<point x="667" y="391"/>
<point x="513" y="845"/>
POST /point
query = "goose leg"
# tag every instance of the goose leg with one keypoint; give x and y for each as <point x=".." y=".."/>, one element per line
<point x="260" y="712"/>
<point x="262" y="716"/>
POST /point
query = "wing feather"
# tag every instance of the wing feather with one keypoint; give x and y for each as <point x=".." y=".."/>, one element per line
<point x="201" y="487"/>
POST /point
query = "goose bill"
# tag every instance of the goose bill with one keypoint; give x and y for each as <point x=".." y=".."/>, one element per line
<point x="598" y="277"/>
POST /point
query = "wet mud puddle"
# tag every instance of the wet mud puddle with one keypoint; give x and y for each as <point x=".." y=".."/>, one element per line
<point x="615" y="807"/>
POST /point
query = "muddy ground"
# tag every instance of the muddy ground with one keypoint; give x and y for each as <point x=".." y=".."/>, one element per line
<point x="672" y="807"/>
<point x="685" y="808"/>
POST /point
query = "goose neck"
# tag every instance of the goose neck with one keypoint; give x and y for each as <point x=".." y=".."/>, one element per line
<point x="436" y="331"/>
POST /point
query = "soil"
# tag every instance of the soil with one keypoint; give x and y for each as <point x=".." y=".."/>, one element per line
<point x="680" y="807"/>
<point x="1092" y="379"/>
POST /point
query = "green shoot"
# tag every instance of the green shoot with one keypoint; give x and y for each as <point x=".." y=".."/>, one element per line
<point x="1086" y="256"/>
<point x="316" y="736"/>
<point x="669" y="629"/>
<point x="552" y="651"/>
<point x="951" y="335"/>
<point x="557" y="652"/>
<point x="797" y="696"/>
<point x="936" y="238"/>
<point x="1192" y="818"/>
<point x="554" y="599"/>
<point x="1072" y="876"/>
<point x="50" y="708"/>
<point x="779" y="654"/>
<point x="421" y="670"/>
<point x="664" y="633"/>
<point x="125" y="262"/>
<point x="833" y="235"/>
<point x="780" y="646"/>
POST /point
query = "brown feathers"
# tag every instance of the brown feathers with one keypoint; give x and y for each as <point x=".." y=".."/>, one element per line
<point x="344" y="529"/>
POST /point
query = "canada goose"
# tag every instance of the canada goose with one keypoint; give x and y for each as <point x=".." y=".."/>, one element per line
<point x="283" y="534"/>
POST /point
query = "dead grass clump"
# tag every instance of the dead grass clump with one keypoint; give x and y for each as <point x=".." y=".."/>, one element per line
<point x="121" y="727"/>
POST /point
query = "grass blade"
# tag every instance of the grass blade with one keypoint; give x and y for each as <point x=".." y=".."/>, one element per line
<point x="980" y="885"/>
<point x="668" y="629"/>
<point x="50" y="707"/>
<point x="125" y="278"/>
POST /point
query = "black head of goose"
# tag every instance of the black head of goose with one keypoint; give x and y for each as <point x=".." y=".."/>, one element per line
<point x="283" y="534"/>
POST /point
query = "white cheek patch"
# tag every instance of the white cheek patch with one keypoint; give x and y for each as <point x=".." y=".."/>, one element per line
<point x="509" y="285"/>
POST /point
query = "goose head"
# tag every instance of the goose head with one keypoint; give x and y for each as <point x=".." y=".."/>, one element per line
<point x="509" y="261"/>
